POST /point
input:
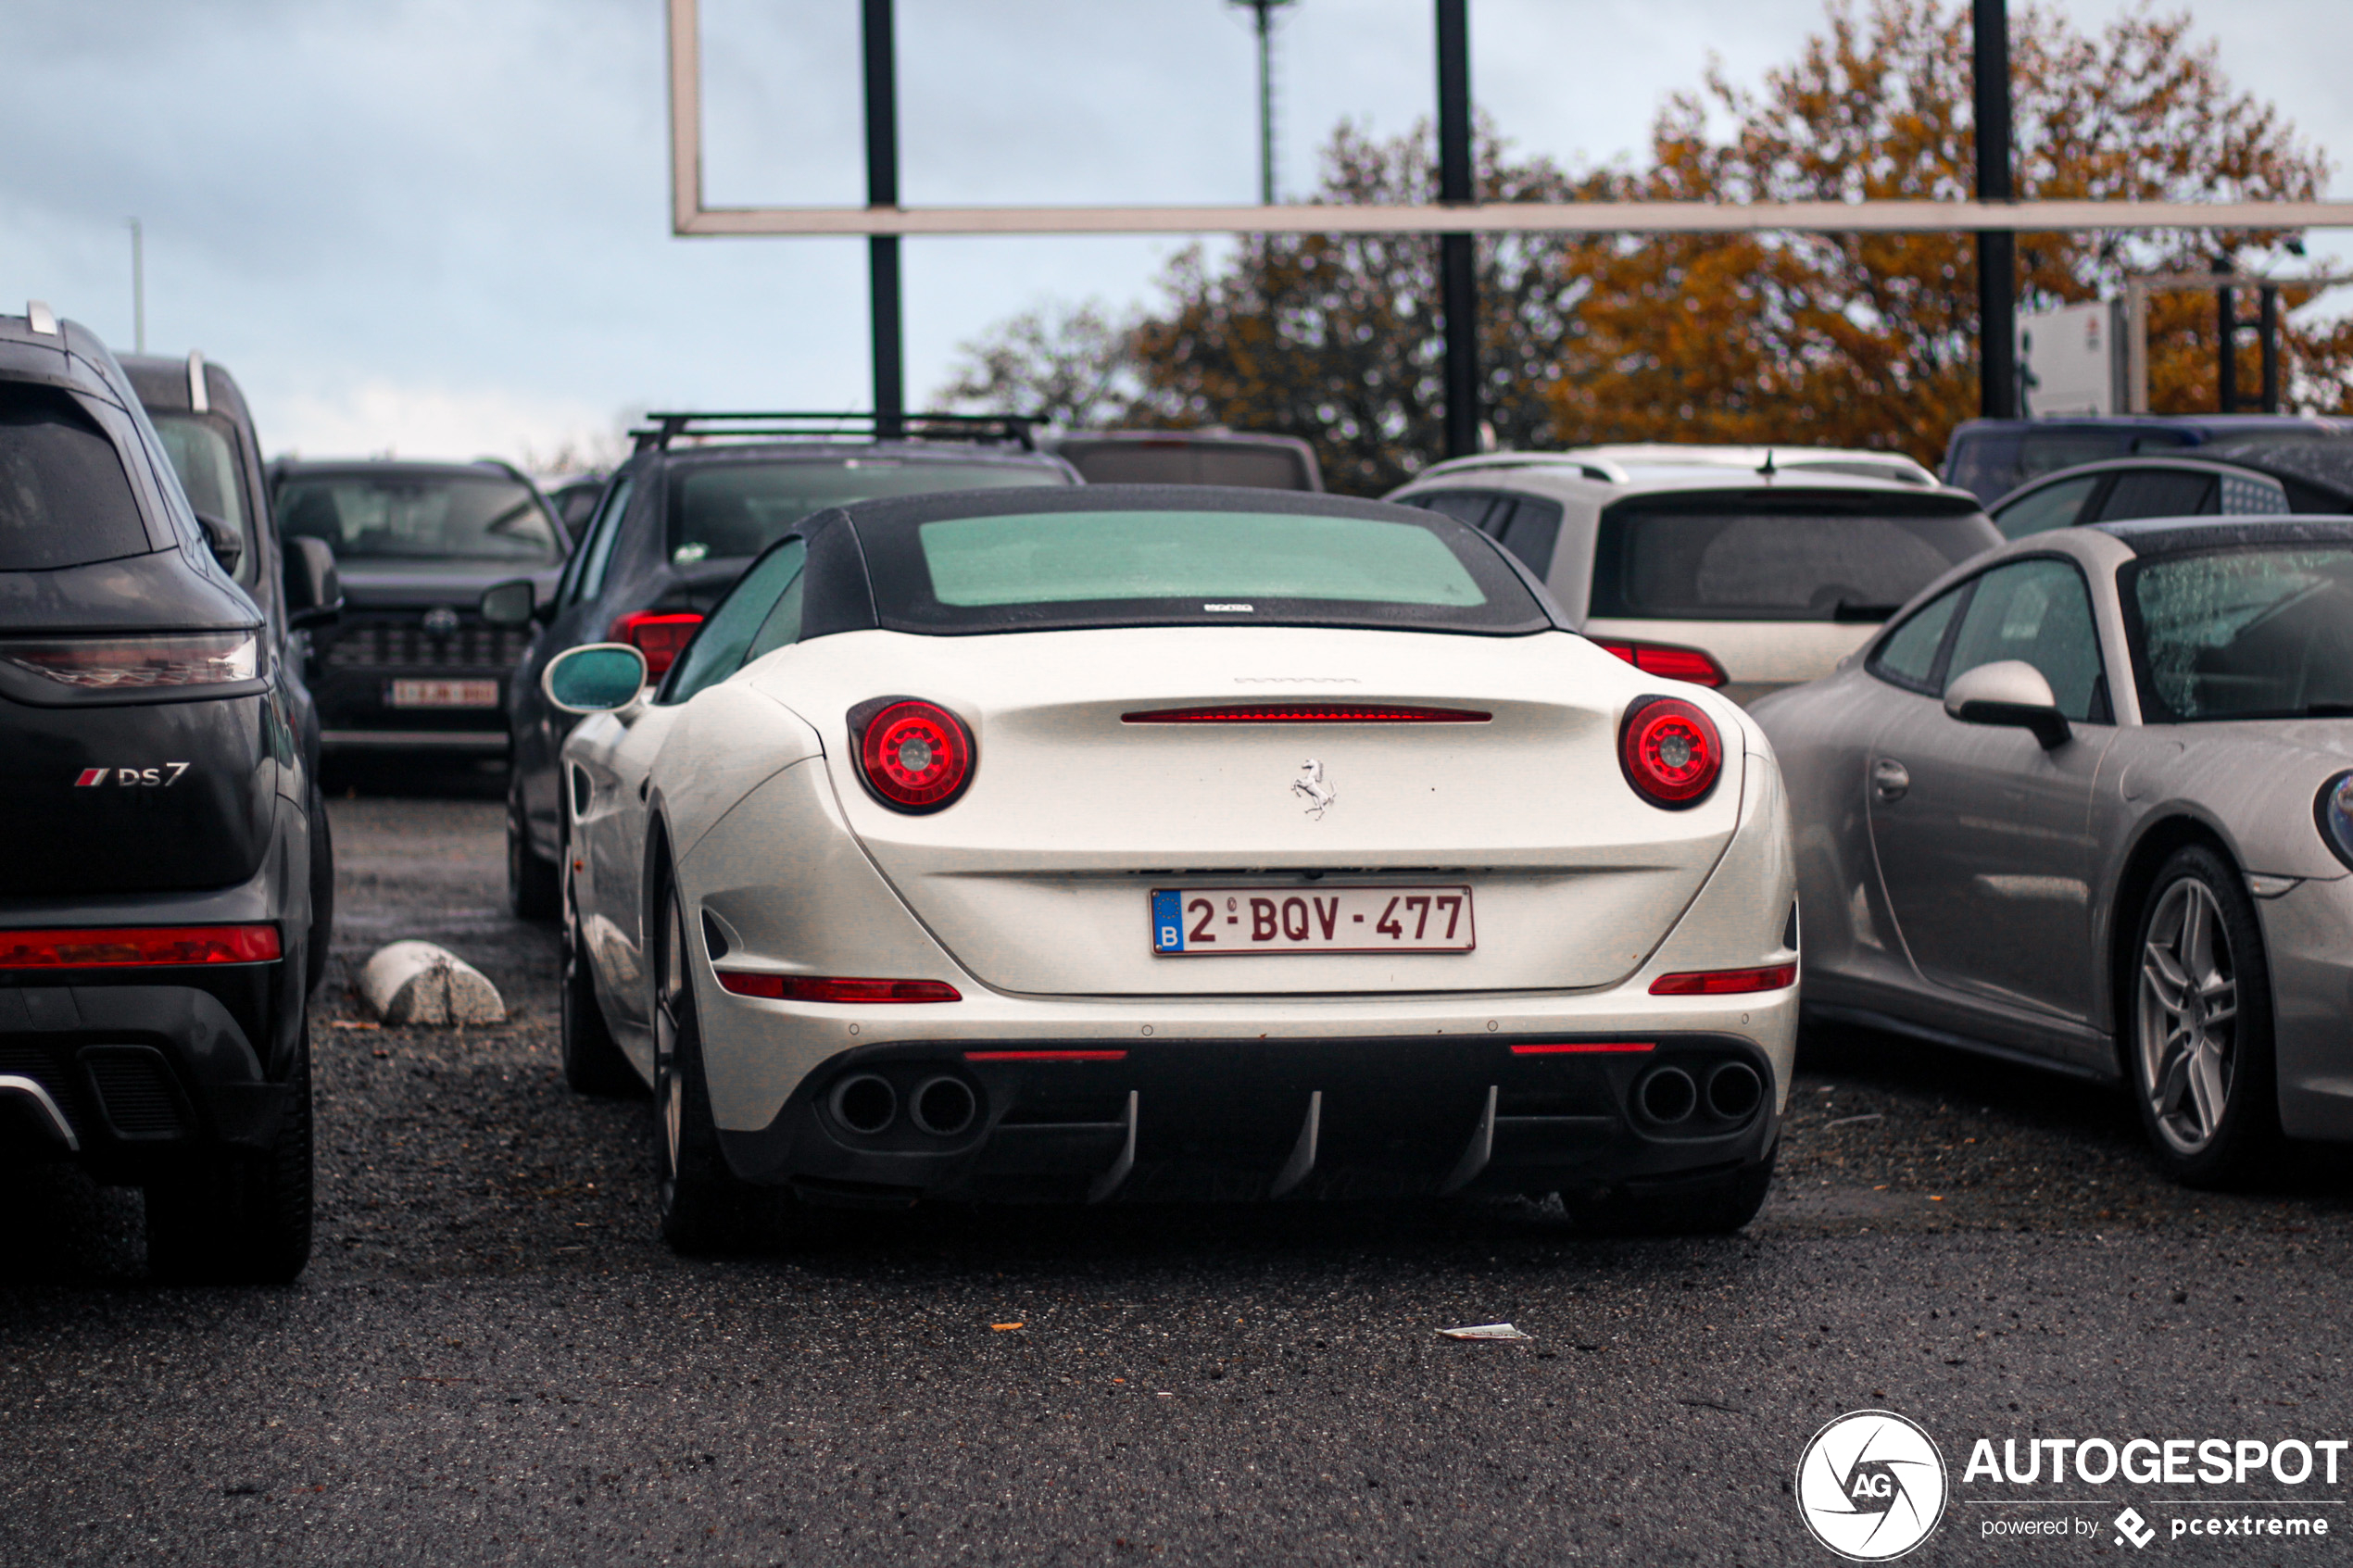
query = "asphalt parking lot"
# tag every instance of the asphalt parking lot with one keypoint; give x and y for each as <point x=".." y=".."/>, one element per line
<point x="493" y="1359"/>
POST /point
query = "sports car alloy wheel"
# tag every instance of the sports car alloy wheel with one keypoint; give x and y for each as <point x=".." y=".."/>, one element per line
<point x="2201" y="1034"/>
<point x="592" y="1060"/>
<point x="704" y="1207"/>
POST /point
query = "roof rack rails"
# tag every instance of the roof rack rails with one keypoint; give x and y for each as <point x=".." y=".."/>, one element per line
<point x="663" y="429"/>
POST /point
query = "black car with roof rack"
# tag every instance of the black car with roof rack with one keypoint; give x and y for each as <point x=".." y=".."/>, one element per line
<point x="156" y="911"/>
<point x="701" y="497"/>
<point x="412" y="666"/>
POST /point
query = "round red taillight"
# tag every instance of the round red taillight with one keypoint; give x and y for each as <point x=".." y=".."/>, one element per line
<point x="1670" y="751"/>
<point x="914" y="756"/>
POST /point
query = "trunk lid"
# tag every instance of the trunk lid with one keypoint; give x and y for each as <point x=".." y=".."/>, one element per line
<point x="1039" y="878"/>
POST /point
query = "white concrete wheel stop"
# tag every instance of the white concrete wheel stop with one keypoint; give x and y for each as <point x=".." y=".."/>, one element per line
<point x="417" y="982"/>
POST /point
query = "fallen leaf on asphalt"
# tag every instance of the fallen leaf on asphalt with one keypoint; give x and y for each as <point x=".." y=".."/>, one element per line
<point x="1005" y="1328"/>
<point x="1486" y="1331"/>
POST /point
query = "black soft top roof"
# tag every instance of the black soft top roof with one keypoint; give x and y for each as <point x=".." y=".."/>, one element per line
<point x="849" y="546"/>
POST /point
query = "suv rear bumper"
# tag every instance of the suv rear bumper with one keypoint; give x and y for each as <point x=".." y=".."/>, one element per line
<point x="1244" y="1120"/>
<point x="120" y="1075"/>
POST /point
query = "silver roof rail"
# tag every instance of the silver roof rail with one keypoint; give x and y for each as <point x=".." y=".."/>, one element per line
<point x="1601" y="468"/>
<point x="198" y="399"/>
<point x="41" y="319"/>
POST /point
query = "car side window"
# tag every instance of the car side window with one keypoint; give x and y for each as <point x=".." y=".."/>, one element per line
<point x="2041" y="612"/>
<point x="2158" y="492"/>
<point x="1483" y="510"/>
<point x="1533" y="528"/>
<point x="597" y="553"/>
<point x="2054" y="506"/>
<point x="726" y="642"/>
<point x="1908" y="655"/>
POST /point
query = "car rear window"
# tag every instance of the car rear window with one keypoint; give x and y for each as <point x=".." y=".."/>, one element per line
<point x="2260" y="632"/>
<point x="429" y="517"/>
<point x="1778" y="558"/>
<point x="1065" y="570"/>
<point x="719" y="511"/>
<point x="64" y="498"/>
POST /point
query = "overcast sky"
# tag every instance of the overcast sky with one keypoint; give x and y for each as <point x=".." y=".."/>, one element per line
<point x="441" y="227"/>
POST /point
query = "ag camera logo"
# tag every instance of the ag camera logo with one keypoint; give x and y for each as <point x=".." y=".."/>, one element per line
<point x="1871" y="1485"/>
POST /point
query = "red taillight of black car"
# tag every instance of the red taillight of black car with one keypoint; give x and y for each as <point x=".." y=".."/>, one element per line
<point x="660" y="636"/>
<point x="123" y="947"/>
<point x="914" y="756"/>
<point x="1670" y="751"/>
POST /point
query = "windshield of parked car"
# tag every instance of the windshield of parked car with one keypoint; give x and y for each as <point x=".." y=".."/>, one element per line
<point x="1763" y="558"/>
<point x="459" y="519"/>
<point x="205" y="458"/>
<point x="726" y="510"/>
<point x="1061" y="570"/>
<point x="2244" y="633"/>
<point x="64" y="498"/>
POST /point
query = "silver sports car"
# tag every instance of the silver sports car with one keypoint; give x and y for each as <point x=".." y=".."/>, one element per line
<point x="1135" y="841"/>
<point x="2088" y="800"/>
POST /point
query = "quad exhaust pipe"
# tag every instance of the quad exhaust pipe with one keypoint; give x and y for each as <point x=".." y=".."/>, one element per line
<point x="942" y="1105"/>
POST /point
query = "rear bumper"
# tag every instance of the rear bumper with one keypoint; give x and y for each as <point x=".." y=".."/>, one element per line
<point x="1223" y="1119"/>
<point x="123" y="1077"/>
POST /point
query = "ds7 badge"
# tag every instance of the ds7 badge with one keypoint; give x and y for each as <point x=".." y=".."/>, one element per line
<point x="160" y="778"/>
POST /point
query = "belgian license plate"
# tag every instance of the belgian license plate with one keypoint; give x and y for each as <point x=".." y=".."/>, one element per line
<point x="442" y="694"/>
<point x="1207" y="922"/>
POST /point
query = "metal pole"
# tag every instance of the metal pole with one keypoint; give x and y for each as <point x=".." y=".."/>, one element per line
<point x="2227" y="365"/>
<point x="1265" y="101"/>
<point x="1458" y="279"/>
<point x="138" y="288"/>
<point x="2267" y="326"/>
<point x="1996" y="249"/>
<point x="882" y="190"/>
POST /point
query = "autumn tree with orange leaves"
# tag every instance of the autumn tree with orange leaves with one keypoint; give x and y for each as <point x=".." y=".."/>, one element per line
<point x="1832" y="339"/>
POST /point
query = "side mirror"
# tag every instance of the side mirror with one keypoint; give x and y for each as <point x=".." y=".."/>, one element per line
<point x="227" y="541"/>
<point x="2010" y="692"/>
<point x="314" y="588"/>
<point x="595" y="678"/>
<point x="511" y="603"/>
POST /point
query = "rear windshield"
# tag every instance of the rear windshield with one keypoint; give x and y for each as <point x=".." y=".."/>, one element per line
<point x="1076" y="569"/>
<point x="718" y="511"/>
<point x="443" y="518"/>
<point x="64" y="498"/>
<point x="1746" y="557"/>
<point x="2244" y="633"/>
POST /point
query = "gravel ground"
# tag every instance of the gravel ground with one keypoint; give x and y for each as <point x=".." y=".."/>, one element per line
<point x="492" y="1359"/>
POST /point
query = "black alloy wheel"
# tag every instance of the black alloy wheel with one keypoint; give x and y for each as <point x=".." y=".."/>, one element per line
<point x="239" y="1216"/>
<point x="593" y="1062"/>
<point x="534" y="887"/>
<point x="702" y="1205"/>
<point x="2197" y="1028"/>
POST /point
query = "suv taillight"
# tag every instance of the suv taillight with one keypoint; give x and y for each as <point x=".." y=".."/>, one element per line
<point x="660" y="636"/>
<point x="1666" y="662"/>
<point x="164" y="662"/>
<point x="914" y="756"/>
<point x="1670" y="751"/>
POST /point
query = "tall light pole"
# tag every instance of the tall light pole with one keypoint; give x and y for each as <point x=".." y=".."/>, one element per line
<point x="1263" y="17"/>
<point x="1457" y="258"/>
<point x="1997" y="249"/>
<point x="882" y="191"/>
<point x="138" y="289"/>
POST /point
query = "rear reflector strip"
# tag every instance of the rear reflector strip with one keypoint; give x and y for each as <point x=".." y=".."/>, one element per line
<point x="1726" y="982"/>
<point x="826" y="988"/>
<point x="152" y="945"/>
<point x="1045" y="1056"/>
<point x="1308" y="713"/>
<point x="1584" y="1048"/>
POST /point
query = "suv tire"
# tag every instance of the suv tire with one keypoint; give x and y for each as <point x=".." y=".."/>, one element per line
<point x="240" y="1216"/>
<point x="592" y="1060"/>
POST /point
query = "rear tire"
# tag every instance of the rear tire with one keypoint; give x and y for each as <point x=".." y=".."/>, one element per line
<point x="240" y="1216"/>
<point x="534" y="886"/>
<point x="593" y="1062"/>
<point x="702" y="1204"/>
<point x="1716" y="1207"/>
<point x="2197" y="1027"/>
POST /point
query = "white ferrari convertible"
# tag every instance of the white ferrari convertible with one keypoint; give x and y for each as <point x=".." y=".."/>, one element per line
<point x="1142" y="843"/>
